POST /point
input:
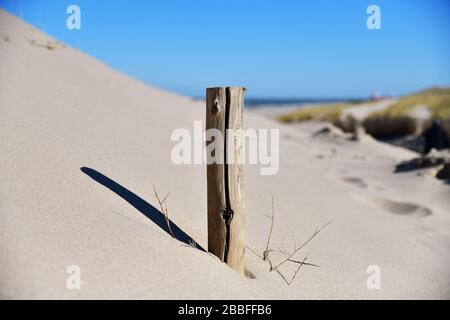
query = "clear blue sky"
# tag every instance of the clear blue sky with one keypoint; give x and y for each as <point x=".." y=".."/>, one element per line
<point x="314" y="49"/>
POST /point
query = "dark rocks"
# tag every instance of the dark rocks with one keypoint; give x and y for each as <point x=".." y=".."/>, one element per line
<point x="444" y="173"/>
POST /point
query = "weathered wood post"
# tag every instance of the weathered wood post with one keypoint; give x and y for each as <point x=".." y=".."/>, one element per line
<point x="224" y="111"/>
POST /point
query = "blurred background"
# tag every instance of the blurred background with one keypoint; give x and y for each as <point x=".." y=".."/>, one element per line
<point x="287" y="53"/>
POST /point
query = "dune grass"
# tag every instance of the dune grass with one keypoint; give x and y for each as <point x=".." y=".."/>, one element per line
<point x="329" y="112"/>
<point x="436" y="99"/>
<point x="397" y="119"/>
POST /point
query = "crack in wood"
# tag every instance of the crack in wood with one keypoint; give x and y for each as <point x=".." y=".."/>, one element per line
<point x="224" y="178"/>
<point x="227" y="212"/>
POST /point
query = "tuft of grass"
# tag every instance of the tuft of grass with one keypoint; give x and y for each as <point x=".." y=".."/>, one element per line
<point x="329" y="112"/>
<point x="436" y="99"/>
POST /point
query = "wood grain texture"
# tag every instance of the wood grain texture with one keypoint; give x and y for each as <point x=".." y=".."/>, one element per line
<point x="215" y="119"/>
<point x="224" y="109"/>
<point x="236" y="179"/>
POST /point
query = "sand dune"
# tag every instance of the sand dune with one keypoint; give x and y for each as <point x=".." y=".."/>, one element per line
<point x="81" y="146"/>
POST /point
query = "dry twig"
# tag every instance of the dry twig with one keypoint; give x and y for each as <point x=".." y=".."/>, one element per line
<point x="297" y="249"/>
<point x="288" y="256"/>
<point x="163" y="206"/>
<point x="267" y="251"/>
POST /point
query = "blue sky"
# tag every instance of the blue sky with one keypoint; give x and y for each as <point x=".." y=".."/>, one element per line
<point x="277" y="49"/>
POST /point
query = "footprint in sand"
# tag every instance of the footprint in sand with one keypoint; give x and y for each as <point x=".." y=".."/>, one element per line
<point x="355" y="181"/>
<point x="350" y="180"/>
<point x="403" y="208"/>
<point x="322" y="154"/>
<point x="395" y="207"/>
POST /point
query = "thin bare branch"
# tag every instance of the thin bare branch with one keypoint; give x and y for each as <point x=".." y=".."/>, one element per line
<point x="163" y="206"/>
<point x="266" y="252"/>
<point x="305" y="263"/>
<point x="254" y="252"/>
<point x="297" y="249"/>
<point x="287" y="256"/>
<point x="164" y="200"/>
<point x="298" y="269"/>
<point x="283" y="277"/>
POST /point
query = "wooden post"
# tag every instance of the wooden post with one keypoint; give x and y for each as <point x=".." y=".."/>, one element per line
<point x="224" y="111"/>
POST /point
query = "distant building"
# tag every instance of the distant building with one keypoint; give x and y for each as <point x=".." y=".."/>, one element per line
<point x="376" y="96"/>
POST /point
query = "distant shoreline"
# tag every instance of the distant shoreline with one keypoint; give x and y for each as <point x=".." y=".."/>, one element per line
<point x="288" y="102"/>
<point x="262" y="102"/>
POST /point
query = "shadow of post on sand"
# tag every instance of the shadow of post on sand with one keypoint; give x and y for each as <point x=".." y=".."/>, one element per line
<point x="143" y="206"/>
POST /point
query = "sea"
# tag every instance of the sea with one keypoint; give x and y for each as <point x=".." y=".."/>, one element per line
<point x="265" y="102"/>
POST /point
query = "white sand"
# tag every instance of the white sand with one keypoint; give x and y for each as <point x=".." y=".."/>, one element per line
<point x="363" y="110"/>
<point x="61" y="110"/>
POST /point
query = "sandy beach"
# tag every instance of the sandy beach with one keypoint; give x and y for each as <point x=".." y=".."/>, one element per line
<point x="82" y="145"/>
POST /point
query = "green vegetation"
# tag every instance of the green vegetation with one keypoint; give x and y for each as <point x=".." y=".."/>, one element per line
<point x="330" y="112"/>
<point x="436" y="99"/>
<point x="397" y="119"/>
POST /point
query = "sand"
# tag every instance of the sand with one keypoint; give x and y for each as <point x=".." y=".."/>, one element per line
<point x="363" y="110"/>
<point x="61" y="111"/>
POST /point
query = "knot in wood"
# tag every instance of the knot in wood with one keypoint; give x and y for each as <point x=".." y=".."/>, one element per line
<point x="227" y="214"/>
<point x="215" y="107"/>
